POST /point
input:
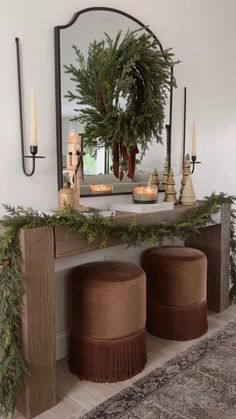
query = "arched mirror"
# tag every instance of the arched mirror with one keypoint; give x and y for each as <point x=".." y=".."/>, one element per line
<point x="85" y="27"/>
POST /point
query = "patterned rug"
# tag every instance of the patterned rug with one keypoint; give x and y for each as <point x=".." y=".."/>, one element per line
<point x="200" y="383"/>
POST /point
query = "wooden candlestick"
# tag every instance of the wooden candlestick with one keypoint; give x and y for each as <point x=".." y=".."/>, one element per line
<point x="165" y="172"/>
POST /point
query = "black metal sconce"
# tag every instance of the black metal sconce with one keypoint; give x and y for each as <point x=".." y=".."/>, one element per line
<point x="193" y="162"/>
<point x="33" y="148"/>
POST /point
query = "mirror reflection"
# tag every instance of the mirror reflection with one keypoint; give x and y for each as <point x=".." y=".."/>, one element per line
<point x="97" y="165"/>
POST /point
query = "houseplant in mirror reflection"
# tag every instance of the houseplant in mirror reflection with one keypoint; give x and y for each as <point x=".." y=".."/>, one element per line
<point x="120" y="94"/>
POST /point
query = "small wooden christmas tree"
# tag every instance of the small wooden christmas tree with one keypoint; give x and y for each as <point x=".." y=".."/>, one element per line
<point x="165" y="173"/>
<point x="188" y="194"/>
<point x="170" y="190"/>
<point x="186" y="171"/>
<point x="153" y="179"/>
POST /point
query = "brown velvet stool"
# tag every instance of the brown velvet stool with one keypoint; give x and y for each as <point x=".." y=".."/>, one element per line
<point x="176" y="292"/>
<point x="107" y="314"/>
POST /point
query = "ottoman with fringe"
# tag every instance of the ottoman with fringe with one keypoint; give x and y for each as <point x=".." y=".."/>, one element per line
<point x="176" y="292"/>
<point x="108" y="360"/>
<point x="176" y="323"/>
<point x="107" y="315"/>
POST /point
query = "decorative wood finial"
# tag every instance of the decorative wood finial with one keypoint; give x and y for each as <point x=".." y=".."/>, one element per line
<point x="188" y="194"/>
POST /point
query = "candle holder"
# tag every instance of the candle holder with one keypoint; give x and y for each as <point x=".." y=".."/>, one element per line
<point x="145" y="194"/>
<point x="193" y="157"/>
<point x="33" y="151"/>
<point x="193" y="162"/>
<point x="33" y="148"/>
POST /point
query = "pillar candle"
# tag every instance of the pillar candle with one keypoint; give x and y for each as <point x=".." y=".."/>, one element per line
<point x="147" y="194"/>
<point x="106" y="188"/>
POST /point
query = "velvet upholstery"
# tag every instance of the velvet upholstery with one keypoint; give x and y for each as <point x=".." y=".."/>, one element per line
<point x="107" y="314"/>
<point x="176" y="275"/>
<point x="107" y="299"/>
<point x="176" y="292"/>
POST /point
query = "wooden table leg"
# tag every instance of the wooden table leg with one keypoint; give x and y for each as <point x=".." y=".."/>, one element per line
<point x="214" y="241"/>
<point x="38" y="321"/>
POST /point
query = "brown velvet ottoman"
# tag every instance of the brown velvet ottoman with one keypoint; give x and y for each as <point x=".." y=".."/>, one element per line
<point x="176" y="292"/>
<point x="107" y="315"/>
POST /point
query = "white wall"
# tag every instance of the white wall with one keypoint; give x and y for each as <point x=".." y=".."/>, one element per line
<point x="202" y="34"/>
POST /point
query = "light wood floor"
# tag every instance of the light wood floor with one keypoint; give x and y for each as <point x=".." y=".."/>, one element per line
<point x="75" y="397"/>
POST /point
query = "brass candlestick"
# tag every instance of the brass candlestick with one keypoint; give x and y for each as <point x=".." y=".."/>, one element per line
<point x="153" y="179"/>
<point x="165" y="172"/>
<point x="186" y="171"/>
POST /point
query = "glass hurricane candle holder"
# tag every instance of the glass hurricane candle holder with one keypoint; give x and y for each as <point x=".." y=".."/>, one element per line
<point x="145" y="194"/>
<point x="100" y="189"/>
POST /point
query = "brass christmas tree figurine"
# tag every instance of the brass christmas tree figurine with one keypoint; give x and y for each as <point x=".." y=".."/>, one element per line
<point x="153" y="179"/>
<point x="170" y="190"/>
<point x="186" y="172"/>
<point x="165" y="173"/>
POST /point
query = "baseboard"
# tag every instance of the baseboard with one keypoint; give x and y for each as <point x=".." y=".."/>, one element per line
<point x="62" y="344"/>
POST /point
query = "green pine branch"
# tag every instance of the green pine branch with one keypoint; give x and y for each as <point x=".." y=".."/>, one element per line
<point x="13" y="368"/>
<point x="121" y="89"/>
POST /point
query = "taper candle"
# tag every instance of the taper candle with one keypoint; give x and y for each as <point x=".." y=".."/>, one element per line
<point x="34" y="127"/>
<point x="194" y="150"/>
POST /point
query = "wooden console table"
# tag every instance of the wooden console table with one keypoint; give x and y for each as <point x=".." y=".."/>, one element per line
<point x="39" y="249"/>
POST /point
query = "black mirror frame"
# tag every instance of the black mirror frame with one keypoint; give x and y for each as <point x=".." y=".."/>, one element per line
<point x="57" y="30"/>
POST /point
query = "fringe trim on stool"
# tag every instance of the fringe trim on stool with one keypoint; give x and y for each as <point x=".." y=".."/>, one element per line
<point x="108" y="360"/>
<point x="176" y="323"/>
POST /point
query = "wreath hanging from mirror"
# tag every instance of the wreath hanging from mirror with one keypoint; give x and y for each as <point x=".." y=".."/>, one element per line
<point x="120" y="92"/>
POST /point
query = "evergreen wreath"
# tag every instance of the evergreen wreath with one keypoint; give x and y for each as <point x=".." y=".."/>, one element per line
<point x="122" y="87"/>
<point x="13" y="368"/>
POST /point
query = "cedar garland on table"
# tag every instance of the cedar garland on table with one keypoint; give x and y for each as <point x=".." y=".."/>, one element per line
<point x="122" y="87"/>
<point x="13" y="369"/>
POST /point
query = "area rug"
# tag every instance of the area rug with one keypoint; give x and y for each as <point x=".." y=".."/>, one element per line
<point x="199" y="383"/>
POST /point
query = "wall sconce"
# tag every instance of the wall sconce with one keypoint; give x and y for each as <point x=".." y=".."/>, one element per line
<point x="193" y="161"/>
<point x="33" y="148"/>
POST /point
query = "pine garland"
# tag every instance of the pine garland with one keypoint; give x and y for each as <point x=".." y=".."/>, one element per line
<point x="13" y="368"/>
